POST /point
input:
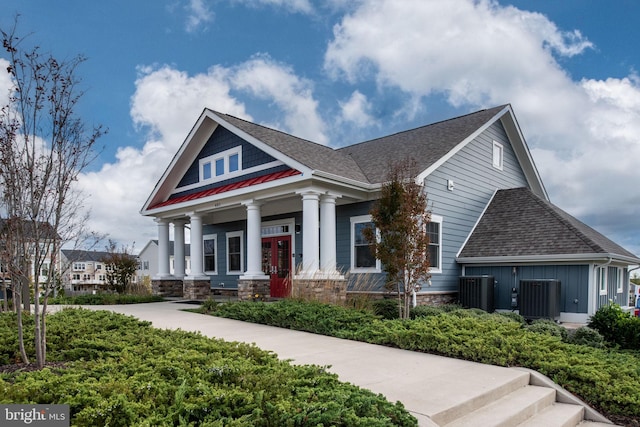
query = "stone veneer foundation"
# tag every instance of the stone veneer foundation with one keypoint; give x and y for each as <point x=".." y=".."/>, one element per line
<point x="166" y="287"/>
<point x="426" y="298"/>
<point x="253" y="290"/>
<point x="332" y="291"/>
<point x="196" y="289"/>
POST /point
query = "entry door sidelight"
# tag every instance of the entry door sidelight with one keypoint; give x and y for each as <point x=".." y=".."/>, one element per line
<point x="276" y="262"/>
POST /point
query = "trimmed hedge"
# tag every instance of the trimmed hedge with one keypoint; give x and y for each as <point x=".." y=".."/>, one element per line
<point x="104" y="299"/>
<point x="119" y="371"/>
<point x="606" y="379"/>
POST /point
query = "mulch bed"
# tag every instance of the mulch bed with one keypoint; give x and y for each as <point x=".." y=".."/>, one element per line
<point x="28" y="367"/>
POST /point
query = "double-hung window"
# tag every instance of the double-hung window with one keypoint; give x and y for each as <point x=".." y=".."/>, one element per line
<point x="234" y="252"/>
<point x="209" y="251"/>
<point x="434" y="232"/>
<point x="362" y="259"/>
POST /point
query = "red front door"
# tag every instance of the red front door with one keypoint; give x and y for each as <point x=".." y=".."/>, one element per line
<point x="276" y="262"/>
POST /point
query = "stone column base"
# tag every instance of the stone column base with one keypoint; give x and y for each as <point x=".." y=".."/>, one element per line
<point x="330" y="290"/>
<point x="254" y="289"/>
<point x="196" y="289"/>
<point x="166" y="287"/>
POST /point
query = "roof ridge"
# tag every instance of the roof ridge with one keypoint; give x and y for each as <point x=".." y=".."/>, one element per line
<point x="271" y="129"/>
<point x="499" y="107"/>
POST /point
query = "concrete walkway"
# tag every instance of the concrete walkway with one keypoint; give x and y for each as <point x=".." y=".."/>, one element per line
<point x="432" y="388"/>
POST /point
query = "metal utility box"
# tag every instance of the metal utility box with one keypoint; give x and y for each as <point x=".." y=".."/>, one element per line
<point x="477" y="292"/>
<point x="540" y="299"/>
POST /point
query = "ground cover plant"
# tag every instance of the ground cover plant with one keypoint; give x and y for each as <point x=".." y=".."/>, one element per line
<point x="605" y="378"/>
<point x="115" y="370"/>
<point x="104" y="299"/>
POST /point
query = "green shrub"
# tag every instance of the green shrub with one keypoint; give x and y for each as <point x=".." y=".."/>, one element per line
<point x="617" y="326"/>
<point x="387" y="308"/>
<point x="549" y="327"/>
<point x="516" y="317"/>
<point x="425" y="311"/>
<point x="120" y="372"/>
<point x="585" y="336"/>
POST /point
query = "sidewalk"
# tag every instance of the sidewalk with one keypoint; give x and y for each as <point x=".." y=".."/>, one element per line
<point x="427" y="385"/>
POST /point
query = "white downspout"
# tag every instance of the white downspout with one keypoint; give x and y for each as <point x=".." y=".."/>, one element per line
<point x="596" y="295"/>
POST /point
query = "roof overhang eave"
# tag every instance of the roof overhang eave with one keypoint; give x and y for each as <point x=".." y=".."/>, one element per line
<point x="530" y="259"/>
<point x="346" y="181"/>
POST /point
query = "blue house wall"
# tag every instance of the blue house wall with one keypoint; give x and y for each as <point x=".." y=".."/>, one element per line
<point x="574" y="283"/>
<point x="475" y="181"/>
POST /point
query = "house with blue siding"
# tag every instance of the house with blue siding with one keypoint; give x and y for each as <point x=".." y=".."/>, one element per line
<point x="268" y="208"/>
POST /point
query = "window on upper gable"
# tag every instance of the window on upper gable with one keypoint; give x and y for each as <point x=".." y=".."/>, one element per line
<point x="498" y="154"/>
<point x="206" y="170"/>
<point x="223" y="165"/>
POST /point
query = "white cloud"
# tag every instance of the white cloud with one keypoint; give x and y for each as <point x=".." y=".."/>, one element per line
<point x="268" y="80"/>
<point x="295" y="6"/>
<point x="198" y="15"/>
<point x="5" y="82"/>
<point x="356" y="110"/>
<point x="584" y="134"/>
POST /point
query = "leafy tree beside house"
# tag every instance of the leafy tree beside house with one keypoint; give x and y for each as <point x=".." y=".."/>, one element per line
<point x="400" y="239"/>
<point x="120" y="265"/>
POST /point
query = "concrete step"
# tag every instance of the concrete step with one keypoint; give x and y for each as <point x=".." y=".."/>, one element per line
<point x="556" y="415"/>
<point x="595" y="424"/>
<point x="509" y="410"/>
<point x="463" y="392"/>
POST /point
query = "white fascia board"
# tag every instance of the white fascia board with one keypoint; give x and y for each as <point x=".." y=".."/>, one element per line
<point x="164" y="179"/>
<point x="422" y="176"/>
<point x="521" y="150"/>
<point x="528" y="259"/>
<point x="306" y="171"/>
<point x="476" y="224"/>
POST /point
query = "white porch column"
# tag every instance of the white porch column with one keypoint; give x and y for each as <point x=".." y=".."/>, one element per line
<point x="178" y="248"/>
<point x="197" y="258"/>
<point x="310" y="233"/>
<point x="163" y="249"/>
<point x="328" y="234"/>
<point x="254" y="242"/>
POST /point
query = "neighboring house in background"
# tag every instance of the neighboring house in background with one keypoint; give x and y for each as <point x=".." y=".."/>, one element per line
<point x="46" y="232"/>
<point x="263" y="204"/>
<point x="148" y="260"/>
<point x="83" y="271"/>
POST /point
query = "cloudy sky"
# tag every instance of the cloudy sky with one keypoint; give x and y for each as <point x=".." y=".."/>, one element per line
<point x="343" y="71"/>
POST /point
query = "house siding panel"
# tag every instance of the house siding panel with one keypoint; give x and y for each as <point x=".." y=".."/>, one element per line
<point x="222" y="140"/>
<point x="475" y="181"/>
<point x="574" y="281"/>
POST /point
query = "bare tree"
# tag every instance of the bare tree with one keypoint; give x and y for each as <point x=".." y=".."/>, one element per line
<point x="400" y="239"/>
<point x="44" y="146"/>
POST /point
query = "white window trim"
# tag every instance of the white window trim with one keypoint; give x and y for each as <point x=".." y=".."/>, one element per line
<point x="357" y="220"/>
<point x="213" y="237"/>
<point x="212" y="160"/>
<point x="438" y="219"/>
<point x="602" y="271"/>
<point x="500" y="163"/>
<point x="620" y="284"/>
<point x="228" y="236"/>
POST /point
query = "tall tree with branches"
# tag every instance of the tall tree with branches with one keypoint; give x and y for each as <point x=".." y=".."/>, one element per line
<point x="400" y="239"/>
<point x="44" y="146"/>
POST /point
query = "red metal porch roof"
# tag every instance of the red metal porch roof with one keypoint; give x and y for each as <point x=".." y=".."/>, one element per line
<point x="229" y="187"/>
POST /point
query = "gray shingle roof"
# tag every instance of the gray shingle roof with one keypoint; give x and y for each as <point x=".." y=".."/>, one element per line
<point x="426" y="144"/>
<point x="519" y="223"/>
<point x="368" y="161"/>
<point x="76" y="255"/>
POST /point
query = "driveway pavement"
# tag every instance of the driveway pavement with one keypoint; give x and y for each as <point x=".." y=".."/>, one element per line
<point x="424" y="383"/>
